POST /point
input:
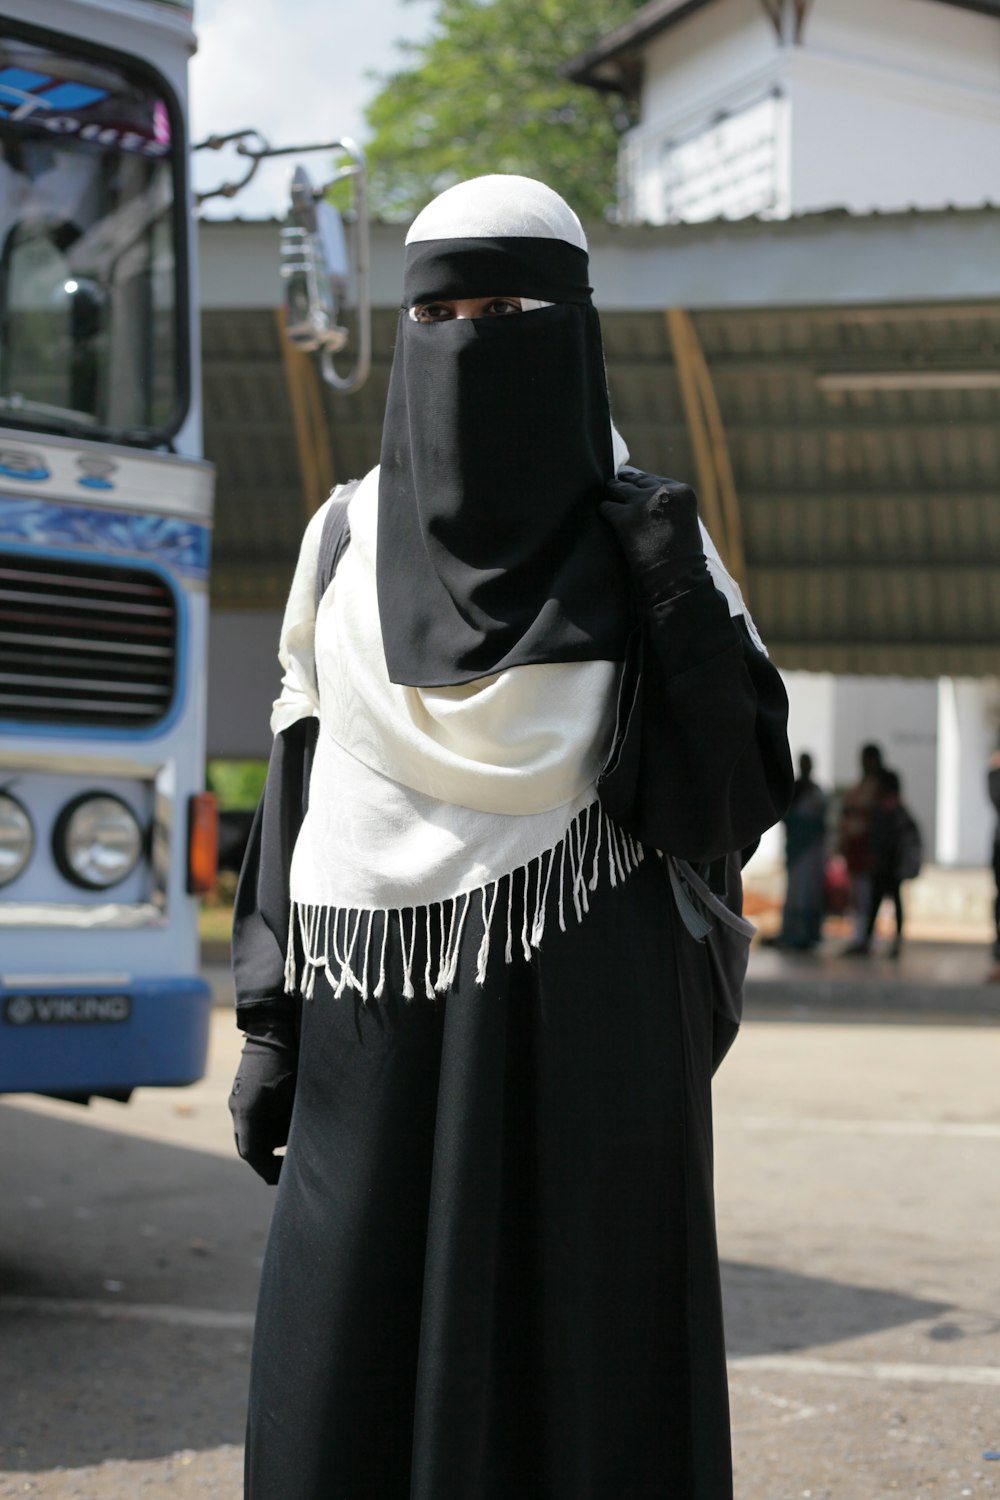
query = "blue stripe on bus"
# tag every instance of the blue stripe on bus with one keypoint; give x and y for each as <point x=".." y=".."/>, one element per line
<point x="180" y="544"/>
<point x="22" y="80"/>
<point x="73" y="96"/>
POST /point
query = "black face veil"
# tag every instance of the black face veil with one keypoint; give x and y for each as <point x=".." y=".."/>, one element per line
<point x="495" y="448"/>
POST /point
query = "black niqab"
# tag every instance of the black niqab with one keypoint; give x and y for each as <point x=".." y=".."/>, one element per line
<point x="495" y="450"/>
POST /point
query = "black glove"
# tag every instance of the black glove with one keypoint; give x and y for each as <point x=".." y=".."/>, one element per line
<point x="655" y="521"/>
<point x="262" y="1096"/>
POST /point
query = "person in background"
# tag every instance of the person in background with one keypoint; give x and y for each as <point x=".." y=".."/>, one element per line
<point x="993" y="783"/>
<point x="805" y="857"/>
<point x="894" y="841"/>
<point x="854" y="836"/>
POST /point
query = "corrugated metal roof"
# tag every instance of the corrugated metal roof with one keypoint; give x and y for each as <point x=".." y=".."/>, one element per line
<point x="871" y="516"/>
<point x="833" y="214"/>
<point x="817" y="214"/>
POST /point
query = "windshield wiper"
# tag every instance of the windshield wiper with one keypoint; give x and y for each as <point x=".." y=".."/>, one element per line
<point x="19" y="406"/>
<point x="63" y="420"/>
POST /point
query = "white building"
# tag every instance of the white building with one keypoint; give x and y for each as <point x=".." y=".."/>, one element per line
<point x="778" y="107"/>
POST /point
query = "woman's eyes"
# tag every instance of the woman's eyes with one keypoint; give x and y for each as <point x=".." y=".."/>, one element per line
<point x="494" y="307"/>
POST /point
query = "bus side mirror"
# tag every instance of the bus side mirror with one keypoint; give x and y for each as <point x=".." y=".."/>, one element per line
<point x="316" y="267"/>
<point x="333" y="244"/>
<point x="314" y="270"/>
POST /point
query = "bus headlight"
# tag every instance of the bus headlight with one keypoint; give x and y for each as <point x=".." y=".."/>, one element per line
<point x="97" y="841"/>
<point x="17" y="838"/>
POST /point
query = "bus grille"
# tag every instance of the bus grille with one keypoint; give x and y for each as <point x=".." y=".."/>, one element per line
<point x="84" y="643"/>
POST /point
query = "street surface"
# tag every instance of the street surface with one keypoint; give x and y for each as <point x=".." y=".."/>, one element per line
<point x="859" y="1218"/>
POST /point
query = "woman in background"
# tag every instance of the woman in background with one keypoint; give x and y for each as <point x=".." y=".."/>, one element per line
<point x="854" y="838"/>
<point x="895" y="857"/>
<point x="805" y="858"/>
<point x="993" y="787"/>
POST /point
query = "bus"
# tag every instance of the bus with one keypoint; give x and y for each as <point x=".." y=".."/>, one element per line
<point x="106" y="834"/>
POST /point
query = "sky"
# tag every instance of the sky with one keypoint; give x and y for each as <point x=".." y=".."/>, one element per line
<point x="296" y="70"/>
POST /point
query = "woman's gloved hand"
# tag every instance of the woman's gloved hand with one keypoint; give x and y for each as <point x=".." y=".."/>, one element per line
<point x="655" y="521"/>
<point x="262" y="1095"/>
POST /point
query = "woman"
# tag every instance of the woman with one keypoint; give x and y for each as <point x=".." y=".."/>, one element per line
<point x="492" y="1266"/>
<point x="854" y="838"/>
<point x="993" y="788"/>
<point x="895" y="855"/>
<point x="805" y="858"/>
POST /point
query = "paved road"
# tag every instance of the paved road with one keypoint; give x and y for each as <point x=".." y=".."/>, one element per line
<point x="859" y="1219"/>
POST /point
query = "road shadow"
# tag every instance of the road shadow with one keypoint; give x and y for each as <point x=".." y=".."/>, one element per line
<point x="107" y="1219"/>
<point x="770" y="1311"/>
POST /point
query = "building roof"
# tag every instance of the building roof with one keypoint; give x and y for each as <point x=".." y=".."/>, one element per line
<point x="865" y="442"/>
<point x="614" y="64"/>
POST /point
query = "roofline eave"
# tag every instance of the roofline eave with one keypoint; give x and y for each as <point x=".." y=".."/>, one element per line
<point x="591" y="68"/>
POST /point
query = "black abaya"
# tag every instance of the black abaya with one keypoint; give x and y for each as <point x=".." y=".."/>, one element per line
<point x="492" y="1270"/>
<point x="492" y="1267"/>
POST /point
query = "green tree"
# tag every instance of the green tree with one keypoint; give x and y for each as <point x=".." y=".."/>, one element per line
<point x="484" y="93"/>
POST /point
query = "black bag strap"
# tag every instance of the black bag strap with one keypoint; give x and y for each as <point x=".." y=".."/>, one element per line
<point x="692" y="893"/>
<point x="335" y="536"/>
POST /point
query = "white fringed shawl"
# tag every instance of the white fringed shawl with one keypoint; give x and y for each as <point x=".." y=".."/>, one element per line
<point x="426" y="803"/>
<point x="423" y="800"/>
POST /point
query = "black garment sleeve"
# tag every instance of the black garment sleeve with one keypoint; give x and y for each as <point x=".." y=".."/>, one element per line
<point x="993" y="785"/>
<point x="262" y="909"/>
<point x="700" y="766"/>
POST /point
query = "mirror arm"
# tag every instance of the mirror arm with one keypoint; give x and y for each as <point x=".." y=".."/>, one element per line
<point x="362" y="365"/>
<point x="254" y="155"/>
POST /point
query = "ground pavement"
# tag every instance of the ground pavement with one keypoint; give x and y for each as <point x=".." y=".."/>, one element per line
<point x="858" y="1217"/>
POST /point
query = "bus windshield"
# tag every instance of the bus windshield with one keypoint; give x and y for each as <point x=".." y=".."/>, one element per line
<point x="88" y="247"/>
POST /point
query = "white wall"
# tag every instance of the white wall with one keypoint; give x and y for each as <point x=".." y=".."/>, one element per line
<point x="811" y="721"/>
<point x="900" y="716"/>
<point x="244" y="679"/>
<point x="867" y="137"/>
<point x="688" y="66"/>
<point x="924" y="37"/>
<point x="240" y="263"/>
<point x="718" y="61"/>
<point x="891" y="104"/>
<point x="969" y="716"/>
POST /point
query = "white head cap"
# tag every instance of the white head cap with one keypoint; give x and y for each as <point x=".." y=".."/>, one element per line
<point x="498" y="207"/>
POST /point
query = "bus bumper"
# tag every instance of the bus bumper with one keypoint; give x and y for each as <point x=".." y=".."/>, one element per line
<point x="84" y="1039"/>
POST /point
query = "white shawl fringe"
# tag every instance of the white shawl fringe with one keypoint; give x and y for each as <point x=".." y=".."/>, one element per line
<point x="342" y="942"/>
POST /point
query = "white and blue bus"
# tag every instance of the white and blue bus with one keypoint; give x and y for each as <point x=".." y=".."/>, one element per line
<point x="106" y="836"/>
